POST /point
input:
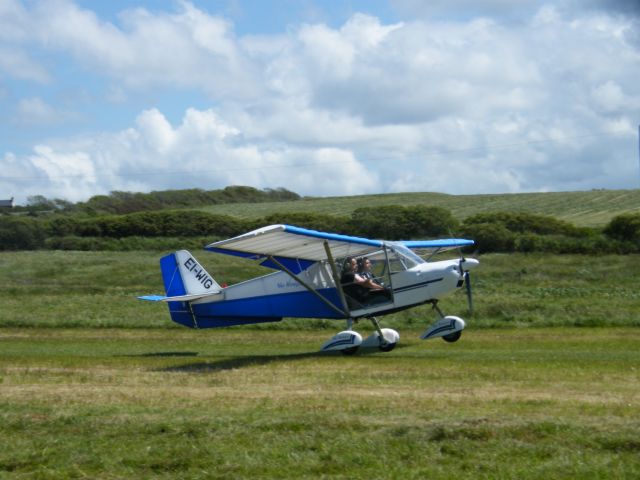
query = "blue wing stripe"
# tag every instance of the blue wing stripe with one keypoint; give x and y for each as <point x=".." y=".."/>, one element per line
<point x="442" y="243"/>
<point x="332" y="236"/>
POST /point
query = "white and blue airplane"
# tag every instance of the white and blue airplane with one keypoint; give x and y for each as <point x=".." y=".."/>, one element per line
<point x="310" y="282"/>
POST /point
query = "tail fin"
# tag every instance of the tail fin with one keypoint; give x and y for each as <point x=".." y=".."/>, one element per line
<point x="184" y="280"/>
<point x="183" y="275"/>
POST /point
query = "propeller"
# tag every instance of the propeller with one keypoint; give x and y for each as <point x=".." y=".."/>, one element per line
<point x="467" y="283"/>
<point x="469" y="263"/>
<point x="465" y="265"/>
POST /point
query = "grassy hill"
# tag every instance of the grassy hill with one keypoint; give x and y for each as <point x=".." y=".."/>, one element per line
<point x="589" y="208"/>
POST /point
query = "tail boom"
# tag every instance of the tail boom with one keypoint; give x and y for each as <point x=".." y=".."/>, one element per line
<point x="186" y="281"/>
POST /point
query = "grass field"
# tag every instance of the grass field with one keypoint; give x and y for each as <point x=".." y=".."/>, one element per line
<point x="99" y="289"/>
<point x="593" y="208"/>
<point x="159" y="403"/>
<point x="95" y="384"/>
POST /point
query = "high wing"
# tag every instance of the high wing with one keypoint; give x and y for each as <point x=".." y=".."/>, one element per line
<point x="445" y="243"/>
<point x="433" y="247"/>
<point x="297" y="248"/>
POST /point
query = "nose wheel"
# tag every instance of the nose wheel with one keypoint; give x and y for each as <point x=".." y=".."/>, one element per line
<point x="449" y="327"/>
<point x="452" y="337"/>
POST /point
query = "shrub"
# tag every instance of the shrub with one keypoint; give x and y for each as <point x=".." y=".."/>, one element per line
<point x="394" y="222"/>
<point x="128" y="202"/>
<point x="625" y="227"/>
<point x="490" y="237"/>
<point x="314" y="221"/>
<point x="20" y="233"/>
<point x="186" y="223"/>
<point x="519" y="222"/>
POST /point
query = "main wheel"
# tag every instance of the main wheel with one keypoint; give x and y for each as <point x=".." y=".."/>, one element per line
<point x="452" y="337"/>
<point x="387" y="347"/>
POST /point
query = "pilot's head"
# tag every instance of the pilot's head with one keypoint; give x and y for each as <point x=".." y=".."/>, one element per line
<point x="364" y="264"/>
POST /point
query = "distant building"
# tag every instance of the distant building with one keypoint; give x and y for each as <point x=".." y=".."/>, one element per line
<point x="6" y="203"/>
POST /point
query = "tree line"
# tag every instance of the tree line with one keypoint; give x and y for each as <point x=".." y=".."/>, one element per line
<point x="118" y="202"/>
<point x="169" y="229"/>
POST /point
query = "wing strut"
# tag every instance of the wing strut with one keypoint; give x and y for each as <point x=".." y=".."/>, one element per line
<point x="307" y="286"/>
<point x="336" y="277"/>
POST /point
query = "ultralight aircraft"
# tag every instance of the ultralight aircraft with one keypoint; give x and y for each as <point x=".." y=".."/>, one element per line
<point x="316" y="277"/>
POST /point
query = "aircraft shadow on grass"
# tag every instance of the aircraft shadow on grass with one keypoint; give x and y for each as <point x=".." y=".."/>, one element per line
<point x="248" y="361"/>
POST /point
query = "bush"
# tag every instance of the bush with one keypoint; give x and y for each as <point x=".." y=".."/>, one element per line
<point x="313" y="221"/>
<point x="187" y="223"/>
<point x="128" y="202"/>
<point x="394" y="222"/>
<point x="165" y="244"/>
<point x="20" y="233"/>
<point x="625" y="227"/>
<point x="490" y="237"/>
<point x="519" y="222"/>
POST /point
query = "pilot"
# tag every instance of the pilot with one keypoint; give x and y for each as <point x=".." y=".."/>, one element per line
<point x="364" y="271"/>
<point x="349" y="269"/>
<point x="375" y="288"/>
<point x="359" y="284"/>
<point x="351" y="283"/>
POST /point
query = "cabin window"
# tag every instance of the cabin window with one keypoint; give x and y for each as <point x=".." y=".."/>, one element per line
<point x="402" y="258"/>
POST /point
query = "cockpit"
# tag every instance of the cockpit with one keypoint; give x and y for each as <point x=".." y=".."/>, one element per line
<point x="396" y="257"/>
<point x="381" y="266"/>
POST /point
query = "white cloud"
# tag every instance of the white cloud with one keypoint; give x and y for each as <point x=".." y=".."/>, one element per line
<point x="17" y="64"/>
<point x="187" y="48"/>
<point x="35" y="111"/>
<point x="156" y="130"/>
<point x="202" y="151"/>
<point x="471" y="103"/>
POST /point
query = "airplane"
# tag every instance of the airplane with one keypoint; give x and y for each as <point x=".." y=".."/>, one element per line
<point x="310" y="282"/>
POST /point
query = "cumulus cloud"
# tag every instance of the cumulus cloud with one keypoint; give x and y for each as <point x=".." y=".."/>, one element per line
<point x="202" y="151"/>
<point x="544" y="97"/>
<point x="187" y="48"/>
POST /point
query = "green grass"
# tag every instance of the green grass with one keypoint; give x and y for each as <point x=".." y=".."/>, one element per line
<point x="96" y="384"/>
<point x="99" y="289"/>
<point x="158" y="403"/>
<point x="593" y="208"/>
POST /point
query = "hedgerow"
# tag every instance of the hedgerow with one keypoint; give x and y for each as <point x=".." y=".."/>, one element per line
<point x="492" y="232"/>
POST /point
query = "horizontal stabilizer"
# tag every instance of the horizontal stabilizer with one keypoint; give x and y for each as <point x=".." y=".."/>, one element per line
<point x="177" y="298"/>
<point x="152" y="298"/>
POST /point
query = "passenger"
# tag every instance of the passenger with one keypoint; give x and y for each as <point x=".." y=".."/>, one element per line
<point x="364" y="271"/>
<point x="376" y="290"/>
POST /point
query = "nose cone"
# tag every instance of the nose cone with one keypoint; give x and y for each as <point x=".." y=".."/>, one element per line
<point x="469" y="264"/>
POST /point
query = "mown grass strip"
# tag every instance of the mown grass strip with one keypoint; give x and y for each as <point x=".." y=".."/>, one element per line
<point x="524" y="403"/>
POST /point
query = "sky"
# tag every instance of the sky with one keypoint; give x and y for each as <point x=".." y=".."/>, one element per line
<point x="323" y="98"/>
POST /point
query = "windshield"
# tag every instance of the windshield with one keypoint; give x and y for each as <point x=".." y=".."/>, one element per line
<point x="407" y="256"/>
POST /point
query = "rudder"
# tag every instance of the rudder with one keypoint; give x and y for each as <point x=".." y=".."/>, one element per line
<point x="183" y="275"/>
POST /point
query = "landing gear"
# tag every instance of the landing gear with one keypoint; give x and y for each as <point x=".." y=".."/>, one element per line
<point x="452" y="337"/>
<point x="448" y="327"/>
<point x="387" y="347"/>
<point x="346" y="341"/>
<point x="349" y="342"/>
<point x="385" y="339"/>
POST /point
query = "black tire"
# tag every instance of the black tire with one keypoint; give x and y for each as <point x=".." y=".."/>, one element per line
<point x="452" y="337"/>
<point x="387" y="347"/>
